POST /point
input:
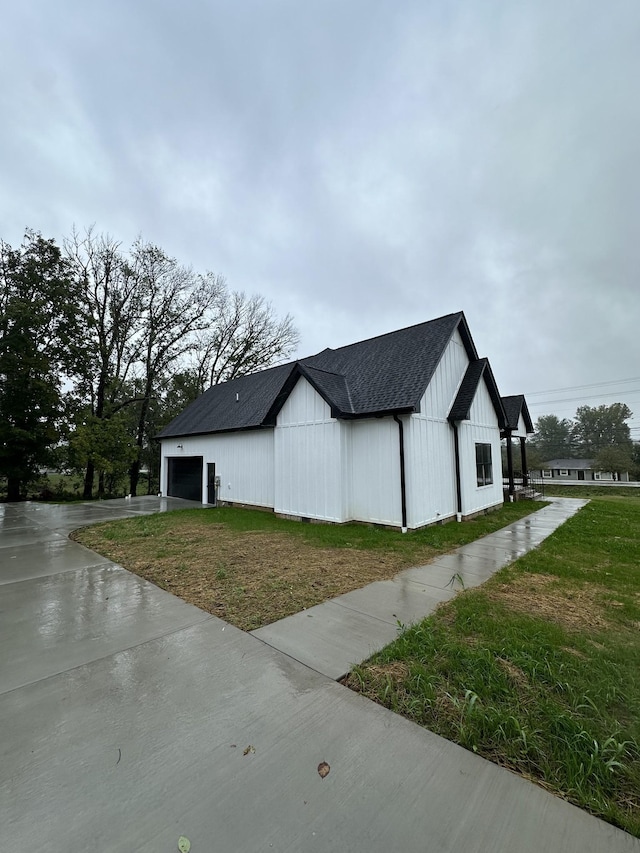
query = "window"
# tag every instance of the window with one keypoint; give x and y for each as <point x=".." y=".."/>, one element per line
<point x="563" y="472"/>
<point x="483" y="464"/>
<point x="547" y="473"/>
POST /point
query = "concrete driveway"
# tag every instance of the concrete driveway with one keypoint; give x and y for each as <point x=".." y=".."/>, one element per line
<point x="129" y="718"/>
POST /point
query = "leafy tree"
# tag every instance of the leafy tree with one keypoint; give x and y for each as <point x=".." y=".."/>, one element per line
<point x="552" y="438"/>
<point x="613" y="459"/>
<point x="599" y="427"/>
<point x="38" y="345"/>
<point x="178" y="390"/>
<point x="108" y="442"/>
<point x="535" y="462"/>
<point x="634" y="470"/>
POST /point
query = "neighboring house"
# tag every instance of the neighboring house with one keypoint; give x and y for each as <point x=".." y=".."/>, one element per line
<point x="401" y="429"/>
<point x="518" y="425"/>
<point x="577" y="470"/>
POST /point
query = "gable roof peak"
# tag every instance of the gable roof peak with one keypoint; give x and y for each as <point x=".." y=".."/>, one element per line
<point x="515" y="406"/>
<point x="477" y="370"/>
<point x="382" y="375"/>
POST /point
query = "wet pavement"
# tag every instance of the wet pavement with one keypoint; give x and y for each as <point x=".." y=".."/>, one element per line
<point x="129" y="718"/>
<point x="333" y="636"/>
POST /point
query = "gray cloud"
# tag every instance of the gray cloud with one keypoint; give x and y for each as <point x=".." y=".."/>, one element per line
<point x="363" y="165"/>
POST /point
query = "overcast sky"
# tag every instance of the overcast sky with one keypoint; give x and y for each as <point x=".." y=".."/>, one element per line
<point x="365" y="165"/>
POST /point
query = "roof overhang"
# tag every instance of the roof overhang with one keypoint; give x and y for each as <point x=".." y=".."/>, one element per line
<point x="476" y="372"/>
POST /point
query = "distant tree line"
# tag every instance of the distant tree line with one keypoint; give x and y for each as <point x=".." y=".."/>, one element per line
<point x="101" y="346"/>
<point x="600" y="433"/>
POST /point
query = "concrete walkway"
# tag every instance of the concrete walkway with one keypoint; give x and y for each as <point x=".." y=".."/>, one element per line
<point x="346" y="630"/>
<point x="129" y="718"/>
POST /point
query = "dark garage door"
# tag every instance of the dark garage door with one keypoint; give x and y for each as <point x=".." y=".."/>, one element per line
<point x="185" y="477"/>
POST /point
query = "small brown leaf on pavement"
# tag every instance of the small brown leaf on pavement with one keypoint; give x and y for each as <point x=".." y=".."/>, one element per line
<point x="323" y="769"/>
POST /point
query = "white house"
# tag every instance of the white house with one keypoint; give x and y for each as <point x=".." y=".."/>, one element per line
<point x="402" y="430"/>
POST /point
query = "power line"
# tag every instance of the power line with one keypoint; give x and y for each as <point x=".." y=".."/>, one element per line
<point x="583" y="397"/>
<point x="580" y="387"/>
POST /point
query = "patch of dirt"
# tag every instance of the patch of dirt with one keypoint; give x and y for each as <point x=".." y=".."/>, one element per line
<point x="514" y="672"/>
<point x="395" y="670"/>
<point x="377" y="677"/>
<point x="577" y="608"/>
<point x="248" y="578"/>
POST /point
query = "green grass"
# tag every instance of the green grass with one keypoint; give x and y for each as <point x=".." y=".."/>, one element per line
<point x="551" y="489"/>
<point x="359" y="536"/>
<point x="538" y="669"/>
<point x="252" y="568"/>
<point x="64" y="488"/>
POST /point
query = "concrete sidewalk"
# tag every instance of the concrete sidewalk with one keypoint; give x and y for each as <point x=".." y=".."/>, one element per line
<point x="129" y="718"/>
<point x="335" y="635"/>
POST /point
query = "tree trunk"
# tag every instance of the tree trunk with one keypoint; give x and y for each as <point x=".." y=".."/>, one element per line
<point x="13" y="489"/>
<point x="134" y="476"/>
<point x="98" y="412"/>
<point x="87" y="493"/>
<point x="134" y="471"/>
<point x="101" y="484"/>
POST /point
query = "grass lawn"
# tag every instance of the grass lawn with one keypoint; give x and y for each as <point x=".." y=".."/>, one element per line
<point x="539" y="669"/>
<point x="251" y="568"/>
<point x="589" y="490"/>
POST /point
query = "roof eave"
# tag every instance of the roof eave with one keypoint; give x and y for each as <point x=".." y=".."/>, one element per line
<point x="246" y="428"/>
<point x="495" y="396"/>
<point x="485" y="374"/>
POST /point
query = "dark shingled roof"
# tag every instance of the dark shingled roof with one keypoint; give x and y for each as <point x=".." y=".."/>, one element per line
<point x="240" y="404"/>
<point x="332" y="386"/>
<point x="566" y="464"/>
<point x="461" y="409"/>
<point x="514" y="407"/>
<point x="389" y="373"/>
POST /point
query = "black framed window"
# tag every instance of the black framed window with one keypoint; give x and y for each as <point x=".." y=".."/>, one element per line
<point x="484" y="468"/>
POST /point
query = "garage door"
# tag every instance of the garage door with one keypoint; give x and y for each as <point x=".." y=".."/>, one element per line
<point x="185" y="477"/>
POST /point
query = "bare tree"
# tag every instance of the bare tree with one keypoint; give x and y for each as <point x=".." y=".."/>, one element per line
<point x="147" y="316"/>
<point x="111" y="306"/>
<point x="245" y="336"/>
<point x="176" y="303"/>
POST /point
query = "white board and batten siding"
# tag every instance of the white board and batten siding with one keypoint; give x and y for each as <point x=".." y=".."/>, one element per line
<point x="312" y="465"/>
<point x="430" y="471"/>
<point x="374" y="471"/>
<point x="309" y="448"/>
<point x="446" y="380"/>
<point x="429" y="443"/>
<point x="521" y="432"/>
<point x="244" y="462"/>
<point x="335" y="470"/>
<point x="481" y="428"/>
